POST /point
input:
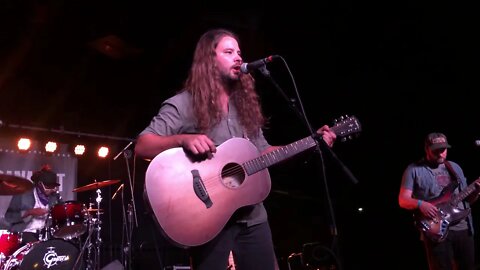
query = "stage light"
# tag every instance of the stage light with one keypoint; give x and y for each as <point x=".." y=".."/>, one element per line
<point x="103" y="151"/>
<point x="51" y="147"/>
<point x="79" y="149"/>
<point x="24" y="144"/>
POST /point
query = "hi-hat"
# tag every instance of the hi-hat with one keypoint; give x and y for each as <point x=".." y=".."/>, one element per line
<point x="95" y="210"/>
<point x="96" y="185"/>
<point x="13" y="185"/>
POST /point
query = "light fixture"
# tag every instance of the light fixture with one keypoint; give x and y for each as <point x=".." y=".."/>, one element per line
<point x="50" y="147"/>
<point x="24" y="144"/>
<point x="103" y="151"/>
<point x="79" y="149"/>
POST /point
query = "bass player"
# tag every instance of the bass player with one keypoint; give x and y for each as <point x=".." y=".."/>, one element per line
<point x="436" y="190"/>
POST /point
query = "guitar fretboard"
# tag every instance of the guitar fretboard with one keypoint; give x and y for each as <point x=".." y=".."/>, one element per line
<point x="277" y="155"/>
<point x="465" y="193"/>
<point x="343" y="128"/>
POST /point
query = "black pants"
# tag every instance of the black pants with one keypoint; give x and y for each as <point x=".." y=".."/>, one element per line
<point x="252" y="249"/>
<point x="457" y="249"/>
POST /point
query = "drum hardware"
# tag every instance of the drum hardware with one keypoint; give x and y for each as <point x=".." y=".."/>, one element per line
<point x="68" y="220"/>
<point x="46" y="233"/>
<point x="93" y="242"/>
<point x="87" y="246"/>
<point x="98" y="227"/>
<point x="92" y="247"/>
<point x="94" y="210"/>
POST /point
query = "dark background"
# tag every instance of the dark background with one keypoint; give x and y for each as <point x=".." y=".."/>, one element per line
<point x="403" y="68"/>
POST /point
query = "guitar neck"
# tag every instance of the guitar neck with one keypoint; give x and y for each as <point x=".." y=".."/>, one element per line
<point x="343" y="128"/>
<point x="465" y="193"/>
<point x="278" y="155"/>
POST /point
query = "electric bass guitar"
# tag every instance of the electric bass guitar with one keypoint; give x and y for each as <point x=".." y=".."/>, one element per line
<point x="448" y="214"/>
<point x="192" y="200"/>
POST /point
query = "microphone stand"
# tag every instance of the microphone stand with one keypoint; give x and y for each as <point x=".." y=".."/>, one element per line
<point x="302" y="116"/>
<point x="131" y="212"/>
<point x="123" y="150"/>
<point x="125" y="250"/>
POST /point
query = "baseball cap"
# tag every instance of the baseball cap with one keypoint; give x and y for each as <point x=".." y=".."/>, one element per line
<point x="436" y="141"/>
<point x="47" y="177"/>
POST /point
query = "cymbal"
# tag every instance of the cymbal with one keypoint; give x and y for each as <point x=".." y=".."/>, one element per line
<point x="13" y="185"/>
<point x="96" y="185"/>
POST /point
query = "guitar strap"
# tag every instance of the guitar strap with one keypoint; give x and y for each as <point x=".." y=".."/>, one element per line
<point x="455" y="175"/>
<point x="452" y="172"/>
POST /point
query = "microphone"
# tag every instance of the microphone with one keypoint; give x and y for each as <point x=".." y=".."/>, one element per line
<point x="249" y="67"/>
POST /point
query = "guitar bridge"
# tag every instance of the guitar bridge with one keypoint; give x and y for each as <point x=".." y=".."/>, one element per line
<point x="200" y="189"/>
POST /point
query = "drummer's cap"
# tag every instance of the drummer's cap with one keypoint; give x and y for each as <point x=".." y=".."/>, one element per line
<point x="46" y="176"/>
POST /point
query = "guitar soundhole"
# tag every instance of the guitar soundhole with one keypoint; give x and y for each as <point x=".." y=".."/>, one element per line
<point x="233" y="175"/>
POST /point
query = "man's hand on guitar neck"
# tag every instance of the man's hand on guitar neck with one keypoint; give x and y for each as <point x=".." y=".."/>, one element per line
<point x="474" y="196"/>
<point x="327" y="135"/>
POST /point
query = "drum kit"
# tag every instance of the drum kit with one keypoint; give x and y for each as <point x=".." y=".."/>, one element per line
<point x="70" y="238"/>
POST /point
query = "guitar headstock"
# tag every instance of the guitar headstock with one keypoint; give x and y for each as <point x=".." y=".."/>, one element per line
<point x="346" y="127"/>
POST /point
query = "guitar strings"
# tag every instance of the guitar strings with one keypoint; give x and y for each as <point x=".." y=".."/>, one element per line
<point x="211" y="182"/>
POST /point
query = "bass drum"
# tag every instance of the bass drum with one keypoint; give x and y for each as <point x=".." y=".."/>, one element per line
<point x="55" y="254"/>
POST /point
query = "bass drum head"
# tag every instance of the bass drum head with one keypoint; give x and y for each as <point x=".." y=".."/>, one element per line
<point x="55" y="254"/>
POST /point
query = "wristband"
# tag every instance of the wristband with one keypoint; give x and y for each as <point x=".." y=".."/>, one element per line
<point x="419" y="202"/>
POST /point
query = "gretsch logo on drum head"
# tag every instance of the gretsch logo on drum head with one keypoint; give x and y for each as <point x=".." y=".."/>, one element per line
<point x="51" y="258"/>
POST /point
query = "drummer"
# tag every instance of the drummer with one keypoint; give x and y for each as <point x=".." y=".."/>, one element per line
<point x="28" y="212"/>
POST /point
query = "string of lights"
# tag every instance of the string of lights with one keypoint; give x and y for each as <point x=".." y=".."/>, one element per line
<point x="25" y="143"/>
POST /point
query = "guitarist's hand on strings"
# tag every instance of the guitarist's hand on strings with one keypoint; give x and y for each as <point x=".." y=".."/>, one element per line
<point x="199" y="144"/>
<point x="428" y="209"/>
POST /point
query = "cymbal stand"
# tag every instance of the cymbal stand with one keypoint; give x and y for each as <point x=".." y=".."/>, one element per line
<point x="46" y="234"/>
<point x="98" y="241"/>
<point x="86" y="245"/>
<point x="94" y="226"/>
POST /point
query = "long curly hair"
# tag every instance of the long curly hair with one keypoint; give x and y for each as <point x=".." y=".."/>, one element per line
<point x="204" y="83"/>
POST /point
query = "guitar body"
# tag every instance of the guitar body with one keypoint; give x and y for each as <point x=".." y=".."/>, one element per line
<point x="448" y="214"/>
<point x="183" y="216"/>
<point x="193" y="199"/>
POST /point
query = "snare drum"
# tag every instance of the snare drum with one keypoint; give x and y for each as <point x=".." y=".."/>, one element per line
<point x="9" y="242"/>
<point x="68" y="220"/>
<point x="55" y="254"/>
